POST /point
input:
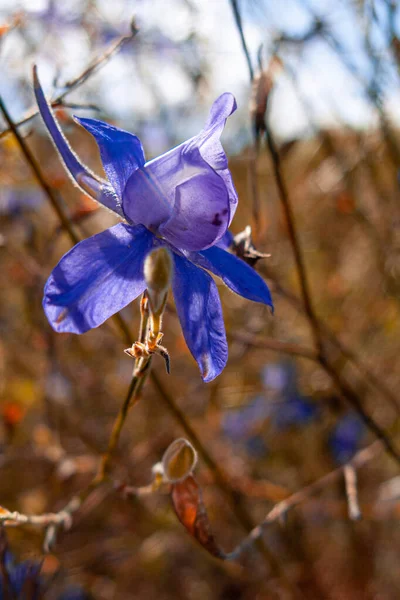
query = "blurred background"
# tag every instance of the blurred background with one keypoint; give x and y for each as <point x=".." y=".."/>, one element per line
<point x="276" y="420"/>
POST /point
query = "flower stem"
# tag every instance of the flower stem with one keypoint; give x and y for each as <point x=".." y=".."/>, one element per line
<point x="140" y="372"/>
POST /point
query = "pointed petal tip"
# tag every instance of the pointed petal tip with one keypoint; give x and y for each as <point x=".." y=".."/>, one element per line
<point x="208" y="371"/>
<point x="228" y="100"/>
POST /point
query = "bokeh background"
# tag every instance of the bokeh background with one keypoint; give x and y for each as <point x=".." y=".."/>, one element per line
<point x="274" y="421"/>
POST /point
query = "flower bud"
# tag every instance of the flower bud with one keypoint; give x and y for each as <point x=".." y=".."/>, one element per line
<point x="157" y="273"/>
<point x="179" y="460"/>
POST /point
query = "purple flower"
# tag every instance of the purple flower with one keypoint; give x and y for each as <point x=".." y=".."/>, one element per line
<point x="288" y="406"/>
<point x="346" y="437"/>
<point x="23" y="580"/>
<point x="184" y="199"/>
<point x="19" y="580"/>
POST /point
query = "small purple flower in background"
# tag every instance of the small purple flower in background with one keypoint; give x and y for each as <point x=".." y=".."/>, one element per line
<point x="14" y="201"/>
<point x="281" y="405"/>
<point x="288" y="406"/>
<point x="185" y="200"/>
<point x="19" y="580"/>
<point x="23" y="580"/>
<point x="346" y="437"/>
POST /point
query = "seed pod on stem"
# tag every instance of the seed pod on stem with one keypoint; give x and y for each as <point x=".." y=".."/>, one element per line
<point x="179" y="460"/>
<point x="157" y="273"/>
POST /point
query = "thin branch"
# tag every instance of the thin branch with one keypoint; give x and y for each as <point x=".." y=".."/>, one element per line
<point x="270" y="343"/>
<point x="350" y="479"/>
<point x="366" y="371"/>
<point x="239" y="25"/>
<point x="340" y="382"/>
<point x="229" y="492"/>
<point x="73" y="84"/>
<point x="281" y="508"/>
<point x="61" y="213"/>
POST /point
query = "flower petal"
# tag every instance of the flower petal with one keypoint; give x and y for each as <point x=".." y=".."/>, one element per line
<point x="91" y="184"/>
<point x="199" y="310"/>
<point x="121" y="152"/>
<point x="187" y="195"/>
<point x="201" y="211"/>
<point x="180" y="197"/>
<point x="235" y="273"/>
<point x="149" y="193"/>
<point x="226" y="241"/>
<point x="211" y="148"/>
<point x="97" y="278"/>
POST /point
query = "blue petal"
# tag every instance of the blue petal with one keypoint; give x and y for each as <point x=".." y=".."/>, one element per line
<point x="199" y="310"/>
<point x="226" y="241"/>
<point x="179" y="197"/>
<point x="201" y="211"/>
<point x="211" y="148"/>
<point x="91" y="184"/>
<point x="187" y="195"/>
<point x="121" y="152"/>
<point x="97" y="278"/>
<point x="235" y="273"/>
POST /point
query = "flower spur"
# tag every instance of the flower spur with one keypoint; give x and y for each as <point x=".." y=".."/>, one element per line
<point x="185" y="200"/>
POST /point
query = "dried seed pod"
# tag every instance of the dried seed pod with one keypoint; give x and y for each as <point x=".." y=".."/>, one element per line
<point x="157" y="273"/>
<point x="179" y="460"/>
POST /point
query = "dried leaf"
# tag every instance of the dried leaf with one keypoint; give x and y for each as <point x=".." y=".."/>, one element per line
<point x="190" y="510"/>
<point x="262" y="87"/>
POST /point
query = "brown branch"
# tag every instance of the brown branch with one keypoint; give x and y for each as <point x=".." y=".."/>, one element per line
<point x="270" y="343"/>
<point x="366" y="371"/>
<point x="228" y="490"/>
<point x="73" y="84"/>
<point x="350" y="479"/>
<point x="61" y="213"/>
<point x="281" y="508"/>
<point x="350" y="395"/>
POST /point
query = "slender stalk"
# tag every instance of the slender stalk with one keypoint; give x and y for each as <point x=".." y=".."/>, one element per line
<point x="350" y="395"/>
<point x="281" y="508"/>
<point x="72" y="85"/>
<point x="365" y="371"/>
<point x="238" y="20"/>
<point x="105" y="463"/>
<point x="235" y="501"/>
<point x="62" y="215"/>
<point x="323" y="360"/>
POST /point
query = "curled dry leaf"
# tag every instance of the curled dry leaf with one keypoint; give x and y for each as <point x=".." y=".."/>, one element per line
<point x="190" y="510"/>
